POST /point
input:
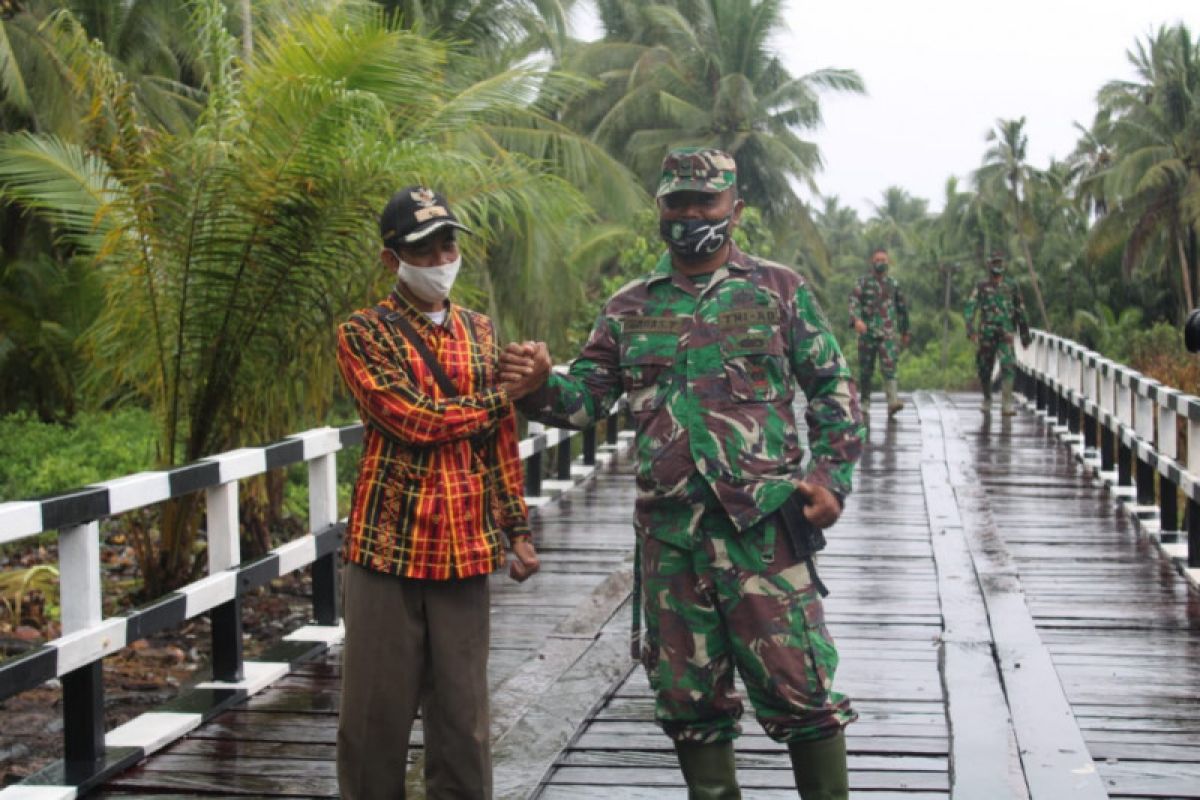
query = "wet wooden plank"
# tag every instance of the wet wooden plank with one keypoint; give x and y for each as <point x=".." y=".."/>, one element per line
<point x="864" y="742"/>
<point x="1054" y="755"/>
<point x="1113" y="616"/>
<point x="251" y="778"/>
<point x="985" y="757"/>
<point x="574" y="792"/>
<point x="751" y="780"/>
<point x="1151" y="779"/>
<point x="1109" y="616"/>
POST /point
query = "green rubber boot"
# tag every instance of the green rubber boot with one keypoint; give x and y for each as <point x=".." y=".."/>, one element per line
<point x="986" y="385"/>
<point x="820" y="768"/>
<point x="1006" y="403"/>
<point x="709" y="770"/>
<point x="893" y="398"/>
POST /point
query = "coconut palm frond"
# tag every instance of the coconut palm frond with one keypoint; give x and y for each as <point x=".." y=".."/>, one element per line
<point x="74" y="188"/>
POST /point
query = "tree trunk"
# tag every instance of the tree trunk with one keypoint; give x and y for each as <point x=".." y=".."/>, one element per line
<point x="247" y="32"/>
<point x="1033" y="278"/>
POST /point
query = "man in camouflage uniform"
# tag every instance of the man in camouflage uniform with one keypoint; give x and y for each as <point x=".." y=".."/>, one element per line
<point x="878" y="312"/>
<point x="1001" y="314"/>
<point x="709" y="348"/>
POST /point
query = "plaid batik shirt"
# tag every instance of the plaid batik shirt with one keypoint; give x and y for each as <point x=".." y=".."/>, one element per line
<point x="440" y="477"/>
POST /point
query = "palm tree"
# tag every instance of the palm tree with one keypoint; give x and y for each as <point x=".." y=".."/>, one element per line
<point x="230" y="250"/>
<point x="701" y="72"/>
<point x="1089" y="162"/>
<point x="841" y="230"/>
<point x="897" y="220"/>
<point x="143" y="37"/>
<point x="1007" y="177"/>
<point x="497" y="31"/>
<point x="1154" y="181"/>
<point x="45" y="305"/>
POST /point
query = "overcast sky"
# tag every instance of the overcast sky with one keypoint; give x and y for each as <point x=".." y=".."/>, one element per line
<point x="939" y="73"/>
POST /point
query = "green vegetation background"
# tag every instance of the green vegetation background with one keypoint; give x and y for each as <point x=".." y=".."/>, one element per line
<point x="187" y="204"/>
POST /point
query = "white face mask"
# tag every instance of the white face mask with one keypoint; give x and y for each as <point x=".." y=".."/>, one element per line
<point x="431" y="284"/>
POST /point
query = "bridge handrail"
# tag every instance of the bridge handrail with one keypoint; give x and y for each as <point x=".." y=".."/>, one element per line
<point x="1127" y="426"/>
<point x="75" y="656"/>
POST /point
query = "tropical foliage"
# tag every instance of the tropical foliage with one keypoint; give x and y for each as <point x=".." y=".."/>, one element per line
<point x="188" y="200"/>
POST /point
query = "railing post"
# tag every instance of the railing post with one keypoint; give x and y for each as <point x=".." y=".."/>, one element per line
<point x="82" y="607"/>
<point x="1053" y="382"/>
<point x="564" y="459"/>
<point x="533" y="464"/>
<point x="1041" y="365"/>
<point x="1193" y="553"/>
<point x="224" y="552"/>
<point x="1125" y="416"/>
<point x="322" y="512"/>
<point x="1107" y="408"/>
<point x="1166" y="445"/>
<point x="1193" y="467"/>
<point x="1081" y="393"/>
<point x="1090" y="400"/>
<point x="1144" y="427"/>
<point x="589" y="446"/>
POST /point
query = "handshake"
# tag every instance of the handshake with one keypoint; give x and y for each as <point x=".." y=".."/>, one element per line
<point x="524" y="367"/>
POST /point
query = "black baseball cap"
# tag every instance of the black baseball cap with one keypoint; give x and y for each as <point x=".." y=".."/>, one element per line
<point x="413" y="213"/>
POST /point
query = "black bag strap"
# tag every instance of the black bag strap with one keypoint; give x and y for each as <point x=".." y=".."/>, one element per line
<point x="418" y="344"/>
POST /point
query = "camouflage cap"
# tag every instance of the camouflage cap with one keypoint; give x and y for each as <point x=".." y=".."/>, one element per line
<point x="697" y="169"/>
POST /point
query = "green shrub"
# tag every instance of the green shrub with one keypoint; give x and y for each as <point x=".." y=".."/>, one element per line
<point x="38" y="458"/>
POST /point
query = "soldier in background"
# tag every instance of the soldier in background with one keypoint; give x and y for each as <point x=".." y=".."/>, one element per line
<point x="709" y="348"/>
<point x="878" y="312"/>
<point x="997" y="302"/>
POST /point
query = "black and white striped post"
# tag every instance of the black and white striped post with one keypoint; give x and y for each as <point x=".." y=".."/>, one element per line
<point x="82" y="609"/>
<point x="1090" y="410"/>
<point x="1108" y="427"/>
<point x="1167" y="445"/>
<point x="533" y="462"/>
<point x="1146" y="459"/>
<point x="1188" y="484"/>
<point x="589" y="446"/>
<point x="322" y="514"/>
<point x="1124" y="414"/>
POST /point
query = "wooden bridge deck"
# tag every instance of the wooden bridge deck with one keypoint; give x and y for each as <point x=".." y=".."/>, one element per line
<point x="1004" y="633"/>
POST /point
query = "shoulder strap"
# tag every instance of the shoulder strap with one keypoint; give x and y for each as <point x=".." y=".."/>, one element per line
<point x="418" y="344"/>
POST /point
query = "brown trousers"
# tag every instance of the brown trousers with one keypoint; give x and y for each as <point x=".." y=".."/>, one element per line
<point x="413" y="643"/>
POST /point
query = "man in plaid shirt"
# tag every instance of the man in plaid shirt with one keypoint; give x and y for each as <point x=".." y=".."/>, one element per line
<point x="439" y="490"/>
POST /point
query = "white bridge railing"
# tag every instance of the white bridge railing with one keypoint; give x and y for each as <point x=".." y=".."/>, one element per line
<point x="1140" y="437"/>
<point x="91" y="755"/>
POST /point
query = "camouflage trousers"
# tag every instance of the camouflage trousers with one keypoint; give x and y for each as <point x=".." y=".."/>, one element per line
<point x="870" y="348"/>
<point x="737" y="600"/>
<point x="992" y="344"/>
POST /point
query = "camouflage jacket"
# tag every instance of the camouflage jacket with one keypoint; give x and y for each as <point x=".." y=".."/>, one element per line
<point x="710" y="372"/>
<point x="881" y="305"/>
<point x="999" y="307"/>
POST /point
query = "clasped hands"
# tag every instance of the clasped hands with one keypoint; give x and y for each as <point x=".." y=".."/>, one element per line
<point x="524" y="367"/>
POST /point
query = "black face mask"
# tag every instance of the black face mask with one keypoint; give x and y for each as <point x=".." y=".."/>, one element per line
<point x="996" y="270"/>
<point x="695" y="239"/>
<point x="880" y="267"/>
